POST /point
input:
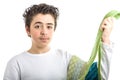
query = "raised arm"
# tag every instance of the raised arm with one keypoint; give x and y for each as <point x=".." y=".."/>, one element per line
<point x="106" y="27"/>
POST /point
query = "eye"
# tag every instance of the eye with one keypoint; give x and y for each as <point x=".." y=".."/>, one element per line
<point x="37" y="26"/>
<point x="49" y="27"/>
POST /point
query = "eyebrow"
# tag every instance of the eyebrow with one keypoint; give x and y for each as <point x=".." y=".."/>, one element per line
<point x="42" y="23"/>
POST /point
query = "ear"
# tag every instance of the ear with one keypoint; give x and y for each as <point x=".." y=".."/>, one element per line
<point x="27" y="30"/>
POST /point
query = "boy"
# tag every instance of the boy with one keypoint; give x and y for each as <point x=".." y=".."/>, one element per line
<point x="41" y="62"/>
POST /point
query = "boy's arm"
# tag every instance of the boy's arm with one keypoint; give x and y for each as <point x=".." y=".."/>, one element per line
<point x="106" y="27"/>
<point x="107" y="46"/>
<point x="106" y="59"/>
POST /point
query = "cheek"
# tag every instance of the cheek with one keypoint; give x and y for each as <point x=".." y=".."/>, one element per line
<point x="35" y="33"/>
<point x="51" y="33"/>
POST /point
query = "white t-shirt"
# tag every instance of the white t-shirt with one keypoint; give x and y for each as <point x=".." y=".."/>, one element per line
<point x="45" y="66"/>
<point x="51" y="65"/>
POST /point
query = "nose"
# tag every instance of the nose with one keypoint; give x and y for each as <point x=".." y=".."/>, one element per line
<point x="43" y="31"/>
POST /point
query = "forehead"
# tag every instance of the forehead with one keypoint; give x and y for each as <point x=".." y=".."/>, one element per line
<point x="44" y="18"/>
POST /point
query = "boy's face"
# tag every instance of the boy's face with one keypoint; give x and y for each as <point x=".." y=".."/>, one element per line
<point x="41" y="29"/>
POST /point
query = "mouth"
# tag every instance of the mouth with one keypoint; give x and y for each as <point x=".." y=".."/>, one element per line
<point x="44" y="39"/>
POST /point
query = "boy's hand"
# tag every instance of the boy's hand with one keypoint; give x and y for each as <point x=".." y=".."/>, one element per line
<point x="106" y="27"/>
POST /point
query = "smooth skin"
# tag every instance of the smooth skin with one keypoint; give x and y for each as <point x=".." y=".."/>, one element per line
<point x="41" y="32"/>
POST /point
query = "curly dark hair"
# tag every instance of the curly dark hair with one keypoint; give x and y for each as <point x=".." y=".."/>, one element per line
<point x="42" y="8"/>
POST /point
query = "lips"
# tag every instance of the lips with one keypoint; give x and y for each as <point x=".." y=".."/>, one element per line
<point x="44" y="39"/>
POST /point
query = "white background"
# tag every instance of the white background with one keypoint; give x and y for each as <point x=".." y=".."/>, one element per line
<point x="76" y="31"/>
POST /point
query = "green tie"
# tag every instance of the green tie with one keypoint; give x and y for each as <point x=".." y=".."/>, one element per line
<point x="78" y="69"/>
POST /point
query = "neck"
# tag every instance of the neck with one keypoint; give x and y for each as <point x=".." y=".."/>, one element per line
<point x="38" y="50"/>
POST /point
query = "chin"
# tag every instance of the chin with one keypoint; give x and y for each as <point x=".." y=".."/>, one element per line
<point x="43" y="45"/>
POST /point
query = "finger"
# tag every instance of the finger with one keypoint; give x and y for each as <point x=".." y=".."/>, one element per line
<point x="106" y="23"/>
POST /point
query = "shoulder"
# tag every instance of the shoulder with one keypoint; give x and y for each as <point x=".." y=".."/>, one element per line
<point x="14" y="60"/>
<point x="62" y="52"/>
